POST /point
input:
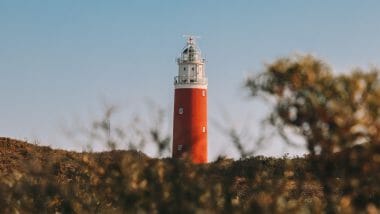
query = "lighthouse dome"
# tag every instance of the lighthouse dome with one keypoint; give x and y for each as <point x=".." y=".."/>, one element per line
<point x="191" y="52"/>
<point x="189" y="49"/>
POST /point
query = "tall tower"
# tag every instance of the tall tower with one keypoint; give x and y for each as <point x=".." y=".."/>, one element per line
<point x="190" y="105"/>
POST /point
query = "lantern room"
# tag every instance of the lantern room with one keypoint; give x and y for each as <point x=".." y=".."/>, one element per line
<point x="190" y="65"/>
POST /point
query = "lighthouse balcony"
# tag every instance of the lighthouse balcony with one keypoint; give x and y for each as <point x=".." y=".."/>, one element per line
<point x="179" y="80"/>
<point x="191" y="60"/>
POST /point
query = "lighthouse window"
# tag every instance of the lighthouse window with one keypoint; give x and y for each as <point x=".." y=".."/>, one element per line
<point x="203" y="93"/>
<point x="192" y="68"/>
<point x="180" y="110"/>
<point x="184" y="69"/>
<point x="179" y="147"/>
<point x="203" y="129"/>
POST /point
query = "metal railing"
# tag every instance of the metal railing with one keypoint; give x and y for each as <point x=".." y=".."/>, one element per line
<point x="187" y="59"/>
<point x="189" y="80"/>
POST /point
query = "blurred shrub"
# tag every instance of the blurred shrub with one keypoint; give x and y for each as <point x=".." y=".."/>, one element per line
<point x="136" y="134"/>
<point x="334" y="113"/>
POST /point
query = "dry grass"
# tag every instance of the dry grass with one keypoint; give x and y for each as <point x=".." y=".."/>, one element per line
<point x="37" y="179"/>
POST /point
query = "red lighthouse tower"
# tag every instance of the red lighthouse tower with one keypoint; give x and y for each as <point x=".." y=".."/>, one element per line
<point x="190" y="105"/>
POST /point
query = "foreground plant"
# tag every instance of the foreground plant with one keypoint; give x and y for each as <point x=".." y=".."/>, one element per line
<point x="334" y="113"/>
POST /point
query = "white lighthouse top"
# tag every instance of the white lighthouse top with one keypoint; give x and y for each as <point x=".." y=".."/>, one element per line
<point x="191" y="52"/>
<point x="191" y="67"/>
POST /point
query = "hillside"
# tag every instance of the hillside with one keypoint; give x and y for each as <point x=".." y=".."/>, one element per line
<point x="39" y="179"/>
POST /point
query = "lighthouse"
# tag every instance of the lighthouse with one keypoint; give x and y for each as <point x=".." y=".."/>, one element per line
<point x="190" y="105"/>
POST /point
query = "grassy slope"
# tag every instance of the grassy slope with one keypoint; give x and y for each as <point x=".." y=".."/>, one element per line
<point x="35" y="179"/>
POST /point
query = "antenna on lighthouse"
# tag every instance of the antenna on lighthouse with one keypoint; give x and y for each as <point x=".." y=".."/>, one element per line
<point x="191" y="38"/>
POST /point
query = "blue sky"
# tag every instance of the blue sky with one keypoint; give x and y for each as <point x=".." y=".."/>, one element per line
<point x="59" y="59"/>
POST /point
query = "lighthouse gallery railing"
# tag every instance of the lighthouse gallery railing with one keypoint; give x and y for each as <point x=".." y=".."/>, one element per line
<point x="189" y="80"/>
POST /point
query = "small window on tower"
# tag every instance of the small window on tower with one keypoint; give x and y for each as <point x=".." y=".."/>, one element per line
<point x="203" y="93"/>
<point x="180" y="110"/>
<point x="192" y="68"/>
<point x="184" y="69"/>
<point x="204" y="129"/>
<point x="179" y="148"/>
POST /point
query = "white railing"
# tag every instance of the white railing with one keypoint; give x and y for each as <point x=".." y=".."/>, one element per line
<point x="187" y="59"/>
<point x="178" y="80"/>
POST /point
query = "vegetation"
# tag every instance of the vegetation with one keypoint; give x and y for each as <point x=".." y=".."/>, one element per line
<point x="38" y="179"/>
<point x="338" y="115"/>
<point x="334" y="113"/>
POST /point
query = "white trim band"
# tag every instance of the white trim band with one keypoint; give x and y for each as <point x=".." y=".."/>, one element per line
<point x="190" y="86"/>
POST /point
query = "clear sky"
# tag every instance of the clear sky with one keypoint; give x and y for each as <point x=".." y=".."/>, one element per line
<point x="59" y="59"/>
